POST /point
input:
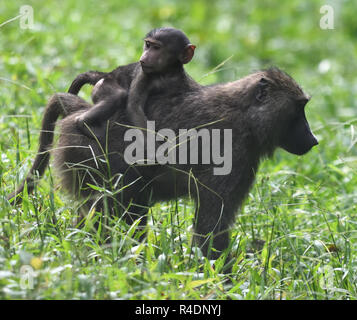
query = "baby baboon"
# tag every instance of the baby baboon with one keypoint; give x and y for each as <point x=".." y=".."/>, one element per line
<point x="160" y="67"/>
<point x="264" y="110"/>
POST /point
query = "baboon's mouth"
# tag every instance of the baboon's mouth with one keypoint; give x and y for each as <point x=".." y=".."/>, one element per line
<point x="147" y="69"/>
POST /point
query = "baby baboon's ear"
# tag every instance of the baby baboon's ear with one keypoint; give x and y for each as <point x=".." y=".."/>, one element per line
<point x="187" y="54"/>
<point x="262" y="89"/>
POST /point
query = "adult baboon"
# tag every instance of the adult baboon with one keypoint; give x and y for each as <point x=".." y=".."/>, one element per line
<point x="264" y="110"/>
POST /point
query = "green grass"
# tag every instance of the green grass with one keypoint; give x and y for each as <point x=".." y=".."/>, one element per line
<point x="295" y="237"/>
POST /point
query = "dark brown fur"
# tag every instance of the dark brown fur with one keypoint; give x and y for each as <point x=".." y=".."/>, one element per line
<point x="56" y="108"/>
<point x="265" y="110"/>
<point x="109" y="97"/>
<point x="161" y="67"/>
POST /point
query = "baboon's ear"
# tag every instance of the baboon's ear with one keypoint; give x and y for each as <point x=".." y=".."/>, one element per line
<point x="262" y="90"/>
<point x="187" y="54"/>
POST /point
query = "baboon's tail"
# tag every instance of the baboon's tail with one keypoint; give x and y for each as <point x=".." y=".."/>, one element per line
<point x="55" y="108"/>
<point x="89" y="77"/>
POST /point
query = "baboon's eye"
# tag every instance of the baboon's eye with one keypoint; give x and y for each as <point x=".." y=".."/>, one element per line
<point x="262" y="89"/>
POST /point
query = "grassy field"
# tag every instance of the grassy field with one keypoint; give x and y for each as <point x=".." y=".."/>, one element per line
<point x="295" y="237"/>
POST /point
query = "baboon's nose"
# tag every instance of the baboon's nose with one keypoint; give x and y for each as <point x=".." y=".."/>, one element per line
<point x="315" y="141"/>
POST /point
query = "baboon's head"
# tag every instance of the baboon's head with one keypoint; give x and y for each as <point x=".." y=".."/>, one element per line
<point x="279" y="113"/>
